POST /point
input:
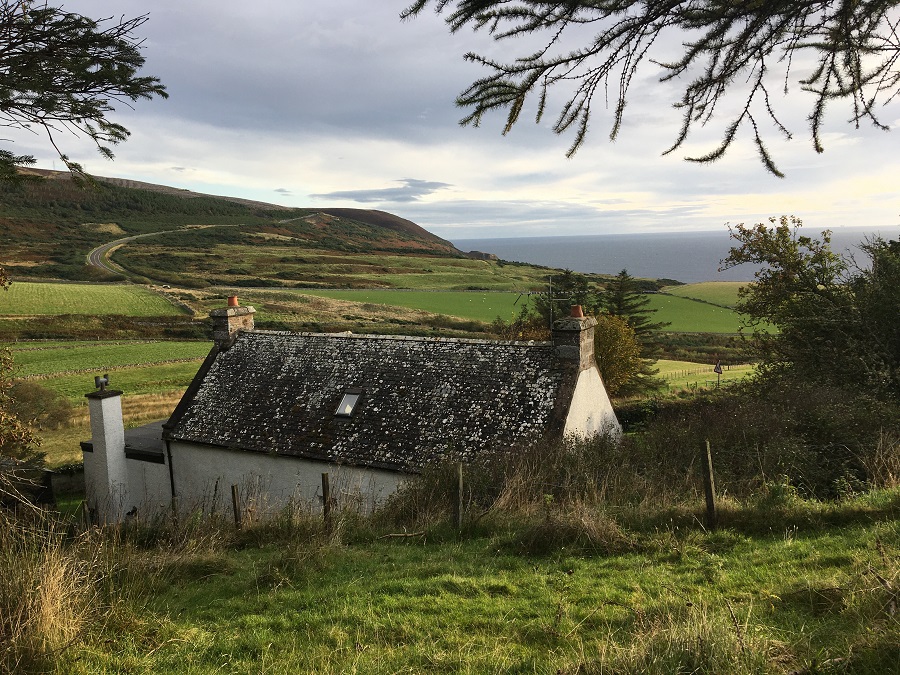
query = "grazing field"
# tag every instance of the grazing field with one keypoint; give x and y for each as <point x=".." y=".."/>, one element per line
<point x="145" y="379"/>
<point x="689" y="316"/>
<point x="723" y="293"/>
<point x="35" y="299"/>
<point x="684" y="314"/>
<point x="151" y="375"/>
<point x="40" y="359"/>
<point x="685" y="374"/>
<point x="481" y="306"/>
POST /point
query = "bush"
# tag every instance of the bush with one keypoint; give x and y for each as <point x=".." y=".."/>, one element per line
<point x="822" y="440"/>
<point x="31" y="401"/>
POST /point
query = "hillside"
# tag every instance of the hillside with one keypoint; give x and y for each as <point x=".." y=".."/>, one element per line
<point x="48" y="227"/>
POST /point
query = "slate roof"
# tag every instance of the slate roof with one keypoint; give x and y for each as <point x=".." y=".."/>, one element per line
<point x="422" y="398"/>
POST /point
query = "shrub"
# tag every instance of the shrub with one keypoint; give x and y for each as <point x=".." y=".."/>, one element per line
<point x="31" y="401"/>
<point x="821" y="439"/>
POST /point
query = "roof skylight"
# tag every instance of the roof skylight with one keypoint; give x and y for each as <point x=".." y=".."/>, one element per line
<point x="348" y="404"/>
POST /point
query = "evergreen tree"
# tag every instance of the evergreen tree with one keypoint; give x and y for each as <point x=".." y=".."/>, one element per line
<point x="726" y="54"/>
<point x="623" y="297"/>
<point x="563" y="291"/>
<point x="62" y="71"/>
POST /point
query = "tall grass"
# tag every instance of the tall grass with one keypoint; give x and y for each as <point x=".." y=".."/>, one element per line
<point x="50" y="589"/>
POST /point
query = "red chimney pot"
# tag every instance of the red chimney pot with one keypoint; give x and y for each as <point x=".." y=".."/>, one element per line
<point x="233" y="301"/>
<point x="577" y="312"/>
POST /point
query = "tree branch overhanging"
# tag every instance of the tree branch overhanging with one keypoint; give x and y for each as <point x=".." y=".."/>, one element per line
<point x="727" y="46"/>
<point x="61" y="71"/>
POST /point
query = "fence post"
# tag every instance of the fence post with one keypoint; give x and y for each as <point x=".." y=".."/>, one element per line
<point x="709" y="486"/>
<point x="326" y="502"/>
<point x="236" y="505"/>
<point x="459" y="501"/>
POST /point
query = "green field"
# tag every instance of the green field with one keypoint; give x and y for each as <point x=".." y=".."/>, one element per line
<point x="683" y="374"/>
<point x="685" y="315"/>
<point x="690" y="316"/>
<point x="669" y="597"/>
<point x="481" y="306"/>
<point x="34" y="299"/>
<point x="724" y="293"/>
<point x="44" y="360"/>
<point x="149" y="379"/>
<point x="135" y="368"/>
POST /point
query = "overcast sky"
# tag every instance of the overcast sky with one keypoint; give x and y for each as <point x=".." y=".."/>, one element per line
<point x="339" y="103"/>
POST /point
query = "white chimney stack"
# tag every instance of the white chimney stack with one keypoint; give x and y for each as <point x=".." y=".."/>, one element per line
<point x="105" y="470"/>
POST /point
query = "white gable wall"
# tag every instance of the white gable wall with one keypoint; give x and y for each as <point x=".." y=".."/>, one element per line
<point x="591" y="411"/>
<point x="204" y="475"/>
<point x="149" y="487"/>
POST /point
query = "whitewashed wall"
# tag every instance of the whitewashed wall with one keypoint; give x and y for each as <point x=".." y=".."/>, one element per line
<point x="204" y="475"/>
<point x="149" y="488"/>
<point x="591" y="411"/>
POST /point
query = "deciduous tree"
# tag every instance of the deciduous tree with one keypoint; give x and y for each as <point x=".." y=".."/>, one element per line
<point x="618" y="354"/>
<point x="835" y="321"/>
<point x="724" y="53"/>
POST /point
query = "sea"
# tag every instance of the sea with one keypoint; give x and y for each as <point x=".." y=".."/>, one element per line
<point x="688" y="257"/>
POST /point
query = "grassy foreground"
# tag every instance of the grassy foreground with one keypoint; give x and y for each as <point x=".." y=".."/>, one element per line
<point x="798" y="587"/>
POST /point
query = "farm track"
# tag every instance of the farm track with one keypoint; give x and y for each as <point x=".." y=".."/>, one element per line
<point x="99" y="256"/>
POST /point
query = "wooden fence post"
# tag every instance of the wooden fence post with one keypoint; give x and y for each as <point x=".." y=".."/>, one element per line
<point x="709" y="486"/>
<point x="236" y="505"/>
<point x="326" y="502"/>
<point x="459" y="501"/>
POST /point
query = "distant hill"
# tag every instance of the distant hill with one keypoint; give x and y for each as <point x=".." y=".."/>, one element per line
<point x="48" y="227"/>
<point x="387" y="220"/>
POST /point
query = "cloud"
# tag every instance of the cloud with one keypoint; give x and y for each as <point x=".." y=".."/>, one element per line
<point x="342" y="95"/>
<point x="411" y="190"/>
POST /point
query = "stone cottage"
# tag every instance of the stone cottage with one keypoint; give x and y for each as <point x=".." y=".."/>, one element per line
<point x="270" y="411"/>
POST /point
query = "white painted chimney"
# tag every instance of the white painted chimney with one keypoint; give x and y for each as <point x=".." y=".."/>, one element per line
<point x="105" y="468"/>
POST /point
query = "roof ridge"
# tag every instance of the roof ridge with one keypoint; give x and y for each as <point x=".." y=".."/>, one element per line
<point x="400" y="338"/>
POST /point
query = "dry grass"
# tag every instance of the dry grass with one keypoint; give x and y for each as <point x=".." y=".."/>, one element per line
<point x="137" y="409"/>
<point x="883" y="465"/>
<point x="49" y="589"/>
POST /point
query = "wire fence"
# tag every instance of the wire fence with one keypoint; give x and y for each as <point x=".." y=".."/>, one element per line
<point x="677" y="374"/>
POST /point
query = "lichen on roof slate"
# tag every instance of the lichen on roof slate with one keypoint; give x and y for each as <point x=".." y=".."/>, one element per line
<point x="423" y="398"/>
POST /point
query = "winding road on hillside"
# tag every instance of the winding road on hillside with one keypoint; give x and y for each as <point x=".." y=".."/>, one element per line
<point x="99" y="257"/>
